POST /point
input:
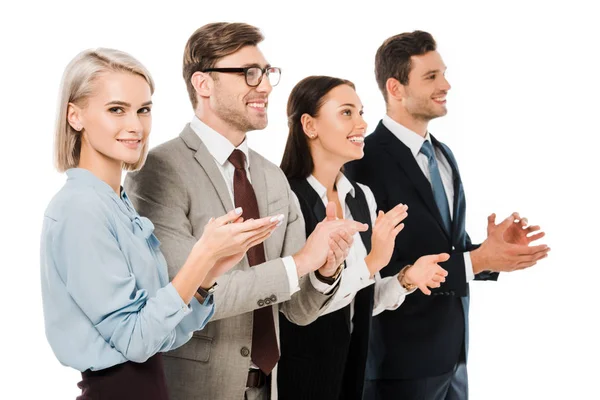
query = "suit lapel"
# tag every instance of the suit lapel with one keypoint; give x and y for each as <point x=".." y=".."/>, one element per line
<point x="207" y="162"/>
<point x="404" y="158"/>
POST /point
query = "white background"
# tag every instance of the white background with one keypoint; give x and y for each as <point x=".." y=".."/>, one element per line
<point x="522" y="124"/>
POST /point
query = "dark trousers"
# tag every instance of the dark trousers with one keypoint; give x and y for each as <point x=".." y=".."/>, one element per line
<point x="126" y="381"/>
<point x="449" y="386"/>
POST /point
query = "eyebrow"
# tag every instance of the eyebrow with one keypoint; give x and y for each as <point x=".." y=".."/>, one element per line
<point x="255" y="65"/>
<point x="125" y="104"/>
<point x="433" y="71"/>
<point x="350" y="105"/>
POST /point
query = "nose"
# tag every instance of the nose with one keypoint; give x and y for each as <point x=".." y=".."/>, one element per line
<point x="362" y="124"/>
<point x="265" y="85"/>
<point x="445" y="84"/>
<point x="134" y="124"/>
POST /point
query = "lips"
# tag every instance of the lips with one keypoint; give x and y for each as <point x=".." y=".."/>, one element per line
<point x="130" y="143"/>
<point x="257" y="105"/>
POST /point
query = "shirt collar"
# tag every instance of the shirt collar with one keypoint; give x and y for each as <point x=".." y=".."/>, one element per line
<point x="86" y="177"/>
<point x="218" y="146"/>
<point x="411" y="139"/>
<point x="342" y="184"/>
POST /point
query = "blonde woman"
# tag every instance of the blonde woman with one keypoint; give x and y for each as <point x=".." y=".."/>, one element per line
<point x="109" y="308"/>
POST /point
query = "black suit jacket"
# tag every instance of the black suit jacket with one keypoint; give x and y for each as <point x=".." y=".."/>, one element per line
<point x="323" y="360"/>
<point x="426" y="335"/>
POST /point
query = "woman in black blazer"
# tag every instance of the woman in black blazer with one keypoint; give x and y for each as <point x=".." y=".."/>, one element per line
<point x="327" y="359"/>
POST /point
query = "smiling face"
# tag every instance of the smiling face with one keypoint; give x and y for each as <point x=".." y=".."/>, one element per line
<point x="339" y="129"/>
<point x="424" y="97"/>
<point x="233" y="102"/>
<point x="115" y="120"/>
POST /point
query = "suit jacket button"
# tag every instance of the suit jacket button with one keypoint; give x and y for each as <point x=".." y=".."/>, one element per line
<point x="267" y="301"/>
<point x="273" y="298"/>
<point x="261" y="303"/>
<point x="245" y="352"/>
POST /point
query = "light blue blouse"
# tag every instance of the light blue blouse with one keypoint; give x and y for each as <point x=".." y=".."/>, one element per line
<point x="105" y="288"/>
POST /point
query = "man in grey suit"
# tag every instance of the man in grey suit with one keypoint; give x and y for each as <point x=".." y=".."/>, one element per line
<point x="205" y="172"/>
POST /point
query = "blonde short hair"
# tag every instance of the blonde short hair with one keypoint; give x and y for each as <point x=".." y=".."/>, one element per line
<point x="76" y="86"/>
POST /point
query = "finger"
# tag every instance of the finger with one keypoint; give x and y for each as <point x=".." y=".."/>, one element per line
<point x="331" y="211"/>
<point x="397" y="229"/>
<point x="253" y="241"/>
<point x="380" y="216"/>
<point x="340" y="242"/>
<point x="524" y="222"/>
<point x="533" y="228"/>
<point x="229" y="217"/>
<point x="441" y="271"/>
<point x="529" y="250"/>
<point x="504" y="225"/>
<point x="535" y="237"/>
<point x="433" y="284"/>
<point x="425" y="290"/>
<point x="437" y="278"/>
<point x="337" y="250"/>
<point x="254" y="224"/>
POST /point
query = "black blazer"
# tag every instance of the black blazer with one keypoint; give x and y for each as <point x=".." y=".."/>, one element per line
<point x="425" y="336"/>
<point x="323" y="360"/>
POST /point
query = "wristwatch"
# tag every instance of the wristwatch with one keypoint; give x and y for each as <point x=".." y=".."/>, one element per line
<point x="206" y="292"/>
<point x="406" y="286"/>
<point x="330" y="280"/>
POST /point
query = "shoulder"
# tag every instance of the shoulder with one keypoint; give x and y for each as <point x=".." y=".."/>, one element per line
<point x="271" y="171"/>
<point x="81" y="208"/>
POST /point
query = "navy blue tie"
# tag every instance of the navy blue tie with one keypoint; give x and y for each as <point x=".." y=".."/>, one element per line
<point x="439" y="194"/>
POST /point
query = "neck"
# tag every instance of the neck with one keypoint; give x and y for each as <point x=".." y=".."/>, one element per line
<point x="235" y="136"/>
<point x="415" y="124"/>
<point x="326" y="168"/>
<point x="106" y="169"/>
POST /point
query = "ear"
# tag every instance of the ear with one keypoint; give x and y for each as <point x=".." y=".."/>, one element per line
<point x="74" y="117"/>
<point x="203" y="83"/>
<point x="395" y="89"/>
<point x="308" y="125"/>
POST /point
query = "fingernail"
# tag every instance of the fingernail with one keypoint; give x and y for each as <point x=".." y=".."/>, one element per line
<point x="238" y="210"/>
<point x="273" y="219"/>
<point x="281" y="217"/>
<point x="279" y="223"/>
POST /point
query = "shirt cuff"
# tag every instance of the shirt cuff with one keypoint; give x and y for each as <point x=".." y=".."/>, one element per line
<point x="177" y="301"/>
<point x="292" y="273"/>
<point x="364" y="273"/>
<point x="469" y="267"/>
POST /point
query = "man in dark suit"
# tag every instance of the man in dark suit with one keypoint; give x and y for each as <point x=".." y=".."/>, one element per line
<point x="419" y="351"/>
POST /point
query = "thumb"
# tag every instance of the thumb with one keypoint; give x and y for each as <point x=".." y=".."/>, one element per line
<point x="331" y="211"/>
<point x="441" y="257"/>
<point x="491" y="220"/>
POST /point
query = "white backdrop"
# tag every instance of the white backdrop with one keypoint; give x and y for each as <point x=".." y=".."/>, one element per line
<point x="520" y="122"/>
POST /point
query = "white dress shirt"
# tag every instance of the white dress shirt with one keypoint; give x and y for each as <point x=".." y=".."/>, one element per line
<point x="414" y="142"/>
<point x="389" y="293"/>
<point x="221" y="148"/>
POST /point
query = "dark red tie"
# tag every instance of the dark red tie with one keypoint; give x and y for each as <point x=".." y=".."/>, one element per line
<point x="265" y="352"/>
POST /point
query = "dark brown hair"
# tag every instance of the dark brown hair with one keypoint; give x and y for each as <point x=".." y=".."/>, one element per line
<point x="212" y="42"/>
<point x="393" y="56"/>
<point x="306" y="97"/>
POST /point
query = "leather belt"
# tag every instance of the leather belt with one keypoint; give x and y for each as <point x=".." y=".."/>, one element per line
<point x="256" y="379"/>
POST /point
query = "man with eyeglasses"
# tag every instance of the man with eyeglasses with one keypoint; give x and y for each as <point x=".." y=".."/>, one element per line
<point x="207" y="171"/>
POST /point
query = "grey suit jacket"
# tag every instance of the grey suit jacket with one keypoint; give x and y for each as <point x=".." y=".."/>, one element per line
<point x="179" y="189"/>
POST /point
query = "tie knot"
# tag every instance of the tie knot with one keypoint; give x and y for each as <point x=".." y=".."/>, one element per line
<point x="427" y="149"/>
<point x="237" y="159"/>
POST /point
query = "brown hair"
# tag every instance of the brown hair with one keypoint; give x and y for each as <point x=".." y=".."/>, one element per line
<point x="306" y="97"/>
<point x="393" y="56"/>
<point x="212" y="42"/>
<point x="76" y="86"/>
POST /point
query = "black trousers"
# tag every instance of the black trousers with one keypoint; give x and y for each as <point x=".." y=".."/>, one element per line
<point x="452" y="385"/>
<point x="126" y="381"/>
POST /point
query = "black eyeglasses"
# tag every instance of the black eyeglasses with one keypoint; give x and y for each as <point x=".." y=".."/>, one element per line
<point x="253" y="75"/>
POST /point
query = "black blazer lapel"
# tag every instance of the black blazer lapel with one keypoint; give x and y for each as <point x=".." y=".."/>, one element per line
<point x="404" y="158"/>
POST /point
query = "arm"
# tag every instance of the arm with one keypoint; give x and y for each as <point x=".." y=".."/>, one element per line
<point x="98" y="278"/>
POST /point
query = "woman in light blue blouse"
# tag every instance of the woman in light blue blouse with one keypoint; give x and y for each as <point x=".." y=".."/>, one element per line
<point x="109" y="308"/>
